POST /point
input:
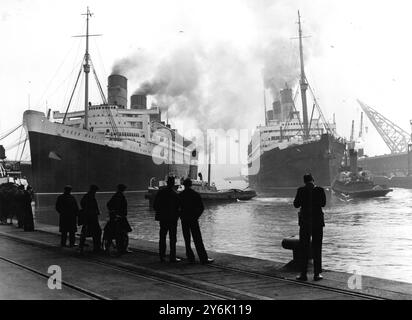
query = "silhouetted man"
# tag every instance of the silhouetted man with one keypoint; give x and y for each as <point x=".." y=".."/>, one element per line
<point x="90" y="219"/>
<point x="167" y="205"/>
<point x="191" y="210"/>
<point x="66" y="206"/>
<point x="19" y="206"/>
<point x="117" y="206"/>
<point x="28" y="221"/>
<point x="310" y="199"/>
<point x="3" y="215"/>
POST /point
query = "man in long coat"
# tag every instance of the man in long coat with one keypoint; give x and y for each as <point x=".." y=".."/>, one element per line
<point x="117" y="206"/>
<point x="66" y="206"/>
<point x="192" y="209"/>
<point x="28" y="221"/>
<point x="90" y="219"/>
<point x="19" y="206"/>
<point x="167" y="206"/>
<point x="310" y="199"/>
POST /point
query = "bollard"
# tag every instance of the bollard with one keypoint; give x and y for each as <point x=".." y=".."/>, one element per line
<point x="292" y="243"/>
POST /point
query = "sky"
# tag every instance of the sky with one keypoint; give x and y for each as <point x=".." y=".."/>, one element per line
<point x="216" y="57"/>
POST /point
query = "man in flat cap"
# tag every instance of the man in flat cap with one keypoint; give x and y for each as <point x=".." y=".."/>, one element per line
<point x="66" y="206"/>
<point x="310" y="199"/>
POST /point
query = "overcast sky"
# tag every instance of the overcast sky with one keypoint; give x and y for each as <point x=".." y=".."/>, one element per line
<point x="216" y="53"/>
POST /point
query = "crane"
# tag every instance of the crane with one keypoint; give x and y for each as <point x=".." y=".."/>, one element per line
<point x="361" y="126"/>
<point x="351" y="144"/>
<point x="352" y="132"/>
<point x="394" y="136"/>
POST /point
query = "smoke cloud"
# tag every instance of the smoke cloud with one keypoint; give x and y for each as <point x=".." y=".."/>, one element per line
<point x="220" y="85"/>
<point x="280" y="65"/>
<point x="138" y="62"/>
<point x="205" y="85"/>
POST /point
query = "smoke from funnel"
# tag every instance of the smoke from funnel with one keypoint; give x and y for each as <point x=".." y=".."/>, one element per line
<point x="281" y="65"/>
<point x="176" y="75"/>
<point x="219" y="84"/>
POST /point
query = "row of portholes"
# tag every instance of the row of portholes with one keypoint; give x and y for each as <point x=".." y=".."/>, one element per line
<point x="126" y="134"/>
<point x="130" y="134"/>
<point x="139" y="149"/>
<point x="102" y="123"/>
<point x="99" y="108"/>
<point x="74" y="133"/>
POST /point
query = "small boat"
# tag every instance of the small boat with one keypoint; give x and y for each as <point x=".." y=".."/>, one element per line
<point x="355" y="183"/>
<point x="245" y="194"/>
<point x="358" y="185"/>
<point x="208" y="192"/>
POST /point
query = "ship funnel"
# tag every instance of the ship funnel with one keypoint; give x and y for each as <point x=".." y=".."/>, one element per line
<point x="117" y="90"/>
<point x="286" y="96"/>
<point x="277" y="110"/>
<point x="269" y="115"/>
<point x="286" y="100"/>
<point x="138" y="101"/>
<point x="353" y="161"/>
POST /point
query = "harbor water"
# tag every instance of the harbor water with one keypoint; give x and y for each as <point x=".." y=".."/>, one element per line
<point x="371" y="236"/>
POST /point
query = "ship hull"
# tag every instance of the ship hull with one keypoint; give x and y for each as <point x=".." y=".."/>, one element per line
<point x="58" y="161"/>
<point x="281" y="170"/>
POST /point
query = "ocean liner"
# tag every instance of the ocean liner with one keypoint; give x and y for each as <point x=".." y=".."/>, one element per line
<point x="287" y="147"/>
<point x="105" y="144"/>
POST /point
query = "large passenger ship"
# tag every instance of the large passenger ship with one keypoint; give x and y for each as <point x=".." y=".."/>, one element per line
<point x="287" y="146"/>
<point x="107" y="143"/>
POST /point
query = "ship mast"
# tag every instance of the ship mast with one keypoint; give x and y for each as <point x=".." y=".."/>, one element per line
<point x="303" y="85"/>
<point x="209" y="164"/>
<point x="264" y="104"/>
<point x="86" y="68"/>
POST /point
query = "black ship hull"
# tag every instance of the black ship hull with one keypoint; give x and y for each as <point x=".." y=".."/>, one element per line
<point x="58" y="161"/>
<point x="281" y="170"/>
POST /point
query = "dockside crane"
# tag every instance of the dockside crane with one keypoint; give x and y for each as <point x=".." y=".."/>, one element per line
<point x="395" y="137"/>
<point x="361" y="126"/>
<point x="352" y="132"/>
<point x="351" y="143"/>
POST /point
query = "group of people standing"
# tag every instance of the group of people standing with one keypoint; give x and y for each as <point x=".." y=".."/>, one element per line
<point x="170" y="206"/>
<point x="87" y="216"/>
<point x="16" y="202"/>
<point x="188" y="206"/>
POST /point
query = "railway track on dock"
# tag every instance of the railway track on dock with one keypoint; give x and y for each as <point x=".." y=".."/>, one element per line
<point x="209" y="290"/>
<point x="287" y="280"/>
<point x="82" y="291"/>
<point x="135" y="272"/>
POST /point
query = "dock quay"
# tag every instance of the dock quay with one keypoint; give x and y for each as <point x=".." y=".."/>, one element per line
<point x="26" y="258"/>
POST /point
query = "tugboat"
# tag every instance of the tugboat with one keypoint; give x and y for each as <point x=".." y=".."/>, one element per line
<point x="208" y="192"/>
<point x="357" y="184"/>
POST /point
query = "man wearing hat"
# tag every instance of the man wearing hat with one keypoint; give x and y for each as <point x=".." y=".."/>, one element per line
<point x="310" y="199"/>
<point x="90" y="219"/>
<point x="117" y="206"/>
<point x="192" y="209"/>
<point x="66" y="206"/>
<point x="167" y="206"/>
